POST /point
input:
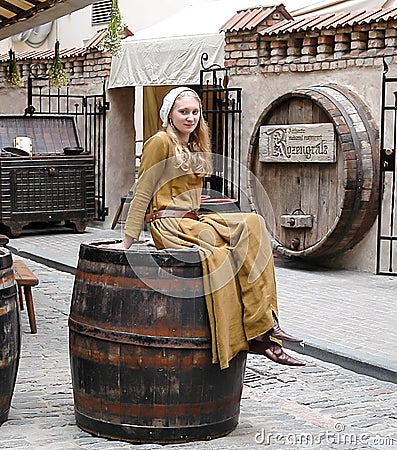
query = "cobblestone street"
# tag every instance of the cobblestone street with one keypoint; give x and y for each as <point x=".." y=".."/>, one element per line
<point x="185" y="182"/>
<point x="320" y="406"/>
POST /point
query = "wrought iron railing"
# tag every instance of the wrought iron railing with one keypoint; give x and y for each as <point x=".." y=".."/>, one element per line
<point x="90" y="114"/>
<point x="222" y="110"/>
<point x="387" y="221"/>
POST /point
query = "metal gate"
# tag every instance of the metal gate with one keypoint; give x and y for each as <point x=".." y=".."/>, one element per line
<point x="222" y="110"/>
<point x="90" y="115"/>
<point x="387" y="219"/>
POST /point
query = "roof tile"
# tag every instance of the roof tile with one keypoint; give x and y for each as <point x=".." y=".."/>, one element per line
<point x="331" y="20"/>
<point x="92" y="43"/>
<point x="248" y="19"/>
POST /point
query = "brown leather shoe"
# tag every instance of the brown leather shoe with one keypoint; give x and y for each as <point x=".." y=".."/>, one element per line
<point x="278" y="333"/>
<point x="274" y="352"/>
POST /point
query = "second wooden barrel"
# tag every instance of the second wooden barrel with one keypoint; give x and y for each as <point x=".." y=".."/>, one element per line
<point x="320" y="209"/>
<point x="140" y="349"/>
<point x="10" y="335"/>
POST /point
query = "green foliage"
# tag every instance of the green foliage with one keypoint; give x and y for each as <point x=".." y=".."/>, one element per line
<point x="112" y="40"/>
<point x="13" y="76"/>
<point x="57" y="74"/>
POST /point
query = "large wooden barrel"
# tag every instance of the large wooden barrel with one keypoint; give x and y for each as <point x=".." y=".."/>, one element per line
<point x="10" y="334"/>
<point x="140" y="349"/>
<point x="320" y="209"/>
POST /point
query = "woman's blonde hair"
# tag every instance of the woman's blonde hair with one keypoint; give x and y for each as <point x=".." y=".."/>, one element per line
<point x="196" y="155"/>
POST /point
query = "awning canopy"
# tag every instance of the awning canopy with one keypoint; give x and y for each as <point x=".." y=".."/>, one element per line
<point x="17" y="16"/>
<point x="167" y="61"/>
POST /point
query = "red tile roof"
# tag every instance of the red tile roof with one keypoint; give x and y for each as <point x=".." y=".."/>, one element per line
<point x="331" y="20"/>
<point x="247" y="19"/>
<point x="250" y="18"/>
<point x="92" y="43"/>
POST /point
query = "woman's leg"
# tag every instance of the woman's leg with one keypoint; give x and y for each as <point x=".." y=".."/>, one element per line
<point x="251" y="250"/>
<point x="222" y="291"/>
<point x="238" y="275"/>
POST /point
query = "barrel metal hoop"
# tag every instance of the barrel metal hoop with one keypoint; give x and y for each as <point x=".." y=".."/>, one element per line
<point x="5" y="259"/>
<point x="139" y="434"/>
<point x="7" y="278"/>
<point x="138" y="339"/>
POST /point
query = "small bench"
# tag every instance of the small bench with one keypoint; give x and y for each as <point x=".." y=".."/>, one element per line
<point x="25" y="279"/>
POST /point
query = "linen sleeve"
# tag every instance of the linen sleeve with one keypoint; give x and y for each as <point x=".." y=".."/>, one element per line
<point x="154" y="156"/>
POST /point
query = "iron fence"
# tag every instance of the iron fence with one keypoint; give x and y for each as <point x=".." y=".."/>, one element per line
<point x="90" y="115"/>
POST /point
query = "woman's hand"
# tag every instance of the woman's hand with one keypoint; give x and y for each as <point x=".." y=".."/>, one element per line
<point x="150" y="243"/>
<point x="123" y="245"/>
<point x="114" y="246"/>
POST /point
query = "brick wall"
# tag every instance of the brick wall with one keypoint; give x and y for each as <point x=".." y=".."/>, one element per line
<point x="88" y="67"/>
<point x="253" y="52"/>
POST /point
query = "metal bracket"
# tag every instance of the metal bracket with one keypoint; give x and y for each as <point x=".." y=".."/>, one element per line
<point x="298" y="219"/>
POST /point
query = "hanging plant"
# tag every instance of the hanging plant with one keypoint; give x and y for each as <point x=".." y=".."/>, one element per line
<point x="13" y="76"/>
<point x="57" y="74"/>
<point x="112" y="39"/>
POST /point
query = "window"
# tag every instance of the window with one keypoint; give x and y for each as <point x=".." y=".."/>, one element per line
<point x="101" y="12"/>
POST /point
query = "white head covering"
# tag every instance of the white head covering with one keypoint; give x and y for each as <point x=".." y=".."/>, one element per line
<point x="168" y="103"/>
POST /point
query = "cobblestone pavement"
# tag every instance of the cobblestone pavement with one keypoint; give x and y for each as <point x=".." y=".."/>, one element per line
<point x="345" y="317"/>
<point x="320" y="406"/>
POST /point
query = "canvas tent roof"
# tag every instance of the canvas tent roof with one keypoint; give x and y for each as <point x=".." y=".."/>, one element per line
<point x="169" y="53"/>
<point x="167" y="61"/>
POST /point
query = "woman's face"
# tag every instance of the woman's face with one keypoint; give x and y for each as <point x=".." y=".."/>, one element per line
<point x="185" y="115"/>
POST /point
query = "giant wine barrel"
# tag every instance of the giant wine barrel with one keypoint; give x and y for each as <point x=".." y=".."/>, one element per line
<point x="140" y="349"/>
<point x="10" y="335"/>
<point x="320" y="209"/>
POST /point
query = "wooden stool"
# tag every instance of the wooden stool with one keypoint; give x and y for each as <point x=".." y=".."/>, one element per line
<point x="25" y="279"/>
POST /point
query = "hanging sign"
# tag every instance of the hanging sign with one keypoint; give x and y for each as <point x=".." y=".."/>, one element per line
<point x="303" y="143"/>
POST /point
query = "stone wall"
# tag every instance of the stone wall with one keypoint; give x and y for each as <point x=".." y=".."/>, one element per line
<point x="362" y="45"/>
<point x="83" y="66"/>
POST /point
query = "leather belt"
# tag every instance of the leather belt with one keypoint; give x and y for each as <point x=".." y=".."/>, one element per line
<point x="166" y="213"/>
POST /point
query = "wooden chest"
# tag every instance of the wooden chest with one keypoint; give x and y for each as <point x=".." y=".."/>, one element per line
<point x="49" y="186"/>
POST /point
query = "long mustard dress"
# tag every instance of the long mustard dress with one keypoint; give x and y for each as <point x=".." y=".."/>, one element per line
<point x="235" y="251"/>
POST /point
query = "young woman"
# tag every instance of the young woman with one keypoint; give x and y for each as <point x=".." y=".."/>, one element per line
<point x="236" y="255"/>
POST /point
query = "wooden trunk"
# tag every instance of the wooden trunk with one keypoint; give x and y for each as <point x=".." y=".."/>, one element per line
<point x="49" y="186"/>
<point x="140" y="349"/>
<point x="335" y="203"/>
<point x="10" y="336"/>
